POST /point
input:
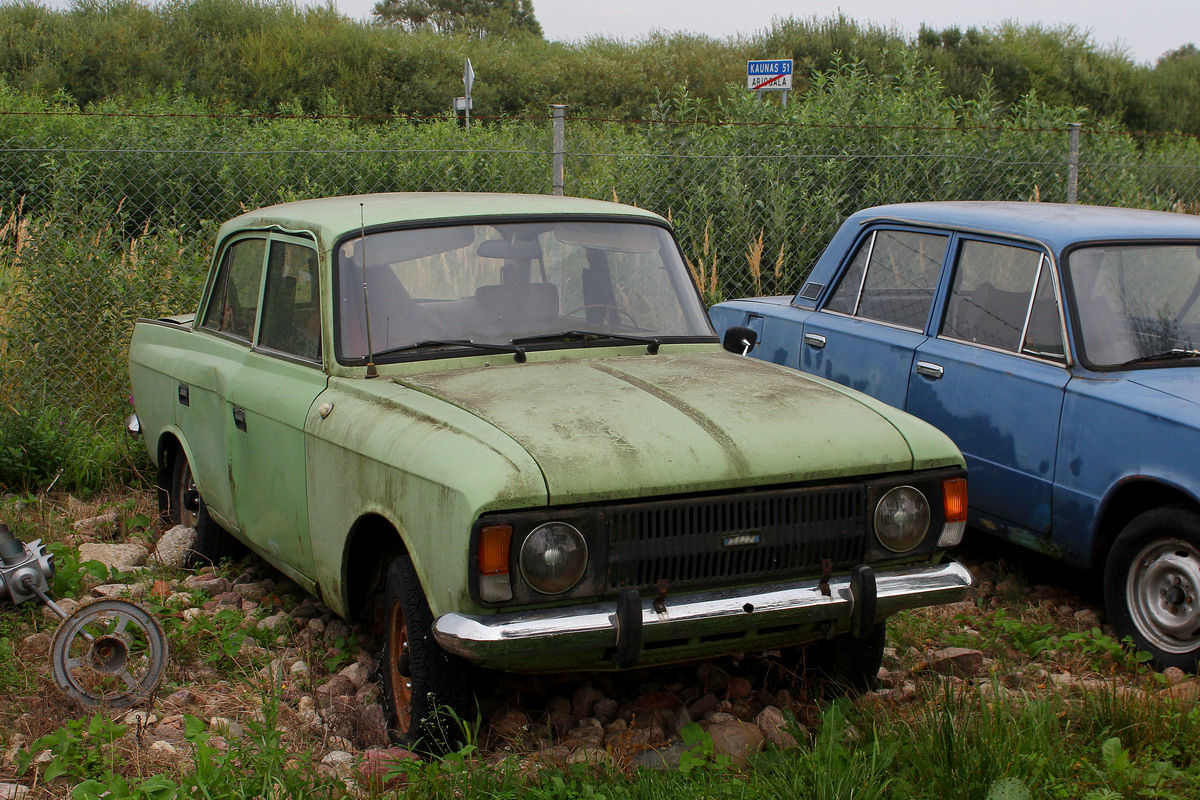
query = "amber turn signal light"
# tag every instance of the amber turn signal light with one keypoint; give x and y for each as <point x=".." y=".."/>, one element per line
<point x="493" y="549"/>
<point x="954" y="499"/>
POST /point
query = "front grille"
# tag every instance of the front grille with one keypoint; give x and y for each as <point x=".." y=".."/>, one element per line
<point x="736" y="538"/>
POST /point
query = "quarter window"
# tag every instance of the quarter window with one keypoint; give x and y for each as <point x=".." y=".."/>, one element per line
<point x="892" y="278"/>
<point x="1003" y="297"/>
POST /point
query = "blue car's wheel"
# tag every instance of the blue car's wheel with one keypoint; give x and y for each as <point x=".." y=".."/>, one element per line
<point x="1152" y="585"/>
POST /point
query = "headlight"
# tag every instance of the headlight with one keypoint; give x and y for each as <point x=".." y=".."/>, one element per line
<point x="553" y="557"/>
<point x="901" y="519"/>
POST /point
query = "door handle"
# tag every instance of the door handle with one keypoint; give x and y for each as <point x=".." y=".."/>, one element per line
<point x="929" y="369"/>
<point x="814" y="340"/>
<point x="239" y="418"/>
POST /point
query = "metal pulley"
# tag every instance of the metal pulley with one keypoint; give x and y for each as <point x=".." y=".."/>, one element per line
<point x="109" y="653"/>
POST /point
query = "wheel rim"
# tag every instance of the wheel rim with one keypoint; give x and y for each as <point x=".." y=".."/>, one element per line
<point x="1162" y="589"/>
<point x="185" y="484"/>
<point x="398" y="668"/>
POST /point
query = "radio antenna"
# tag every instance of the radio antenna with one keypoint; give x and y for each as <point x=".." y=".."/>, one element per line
<point x="362" y="232"/>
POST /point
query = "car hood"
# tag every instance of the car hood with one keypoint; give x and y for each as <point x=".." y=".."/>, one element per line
<point x="1181" y="382"/>
<point x="626" y="426"/>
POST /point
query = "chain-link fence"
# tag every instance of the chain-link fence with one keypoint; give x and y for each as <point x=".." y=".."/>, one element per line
<point x="107" y="218"/>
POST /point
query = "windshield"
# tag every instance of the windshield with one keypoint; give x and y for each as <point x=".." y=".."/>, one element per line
<point x="490" y="284"/>
<point x="1136" y="301"/>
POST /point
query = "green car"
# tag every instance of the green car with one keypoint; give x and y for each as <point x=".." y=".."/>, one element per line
<point x="501" y="428"/>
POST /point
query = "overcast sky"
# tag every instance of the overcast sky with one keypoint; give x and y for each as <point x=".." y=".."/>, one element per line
<point x="1146" y="29"/>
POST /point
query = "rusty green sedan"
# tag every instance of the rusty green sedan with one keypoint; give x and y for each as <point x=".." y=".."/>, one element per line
<point x="501" y="429"/>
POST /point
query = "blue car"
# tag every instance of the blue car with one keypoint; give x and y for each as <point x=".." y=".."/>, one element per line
<point x="1059" y="347"/>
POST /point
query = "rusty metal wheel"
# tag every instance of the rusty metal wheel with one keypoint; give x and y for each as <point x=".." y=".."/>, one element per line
<point x="424" y="687"/>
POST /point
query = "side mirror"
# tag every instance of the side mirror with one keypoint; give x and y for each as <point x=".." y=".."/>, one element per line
<point x="739" y="340"/>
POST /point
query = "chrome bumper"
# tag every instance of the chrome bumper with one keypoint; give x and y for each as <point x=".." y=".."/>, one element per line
<point x="541" y="633"/>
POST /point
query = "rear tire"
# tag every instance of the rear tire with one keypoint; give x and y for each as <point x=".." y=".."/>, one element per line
<point x="1152" y="585"/>
<point x="425" y="688"/>
<point x="186" y="507"/>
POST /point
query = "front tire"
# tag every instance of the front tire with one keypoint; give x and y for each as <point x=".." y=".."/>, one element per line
<point x="424" y="687"/>
<point x="1152" y="585"/>
<point x="186" y="507"/>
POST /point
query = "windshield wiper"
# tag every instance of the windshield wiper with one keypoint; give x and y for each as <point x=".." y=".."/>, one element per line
<point x="652" y="343"/>
<point x="425" y="344"/>
<point x="1173" y="354"/>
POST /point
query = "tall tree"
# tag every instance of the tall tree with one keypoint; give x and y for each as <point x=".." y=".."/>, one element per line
<point x="472" y="17"/>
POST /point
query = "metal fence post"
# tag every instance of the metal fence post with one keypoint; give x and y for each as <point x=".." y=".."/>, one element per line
<point x="1073" y="129"/>
<point x="559" y="145"/>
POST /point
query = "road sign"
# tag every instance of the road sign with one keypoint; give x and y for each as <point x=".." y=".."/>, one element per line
<point x="468" y="77"/>
<point x="765" y="75"/>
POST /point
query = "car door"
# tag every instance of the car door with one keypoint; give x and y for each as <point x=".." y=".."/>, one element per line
<point x="206" y="370"/>
<point x="865" y="334"/>
<point x="993" y="378"/>
<point x="268" y="401"/>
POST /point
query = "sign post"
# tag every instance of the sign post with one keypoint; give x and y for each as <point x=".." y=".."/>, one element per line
<point x="468" y="82"/>
<point x="773" y="75"/>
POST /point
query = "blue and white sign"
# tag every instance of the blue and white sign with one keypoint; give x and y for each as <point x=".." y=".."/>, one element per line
<point x="764" y="75"/>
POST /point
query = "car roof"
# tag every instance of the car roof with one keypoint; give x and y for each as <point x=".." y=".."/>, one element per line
<point x="1057" y="225"/>
<point x="331" y="217"/>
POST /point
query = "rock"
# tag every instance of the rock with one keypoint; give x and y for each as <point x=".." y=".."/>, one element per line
<point x="183" y="698"/>
<point x="358" y="673"/>
<point x="336" y="629"/>
<point x="229" y="600"/>
<point x="589" y="733"/>
<point x="590" y="757"/>
<point x="251" y="591"/>
<point x="91" y="524"/>
<point x="306" y="610"/>
<point x="299" y="669"/>
<point x="719" y="717"/>
<point x="558" y="712"/>
<point x="337" y="686"/>
<point x="36" y="645"/>
<point x="739" y="688"/>
<point x="69" y="605"/>
<point x="192" y="614"/>
<point x="276" y="622"/>
<point x="316" y="625"/>
<point x="170" y="729"/>
<point x="121" y="557"/>
<point x="164" y="748"/>
<point x="674" y="724"/>
<point x="584" y="699"/>
<point x="337" y="763"/>
<point x="665" y="760"/>
<point x="738" y="740"/>
<point x="702" y="705"/>
<point x="140" y="719"/>
<point x="371" y="694"/>
<point x="605" y="709"/>
<point x="13" y="791"/>
<point x="111" y="590"/>
<point x="1183" y="692"/>
<point x="956" y="661"/>
<point x="773" y="726"/>
<point x="712" y="678"/>
<point x="174" y="545"/>
<point x="1174" y="676"/>
<point x="372" y="726"/>
<point x="383" y="769"/>
<point x="1087" y="618"/>
<point x="512" y="725"/>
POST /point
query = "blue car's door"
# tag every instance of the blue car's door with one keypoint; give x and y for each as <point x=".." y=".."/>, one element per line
<point x="993" y="379"/>
<point x="865" y="334"/>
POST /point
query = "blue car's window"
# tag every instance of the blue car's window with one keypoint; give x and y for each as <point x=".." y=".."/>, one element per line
<point x="993" y="302"/>
<point x="1137" y="301"/>
<point x="892" y="278"/>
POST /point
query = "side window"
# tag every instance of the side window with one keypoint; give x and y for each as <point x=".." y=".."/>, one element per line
<point x="234" y="300"/>
<point x="291" y="318"/>
<point x="1003" y="297"/>
<point x="892" y="278"/>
